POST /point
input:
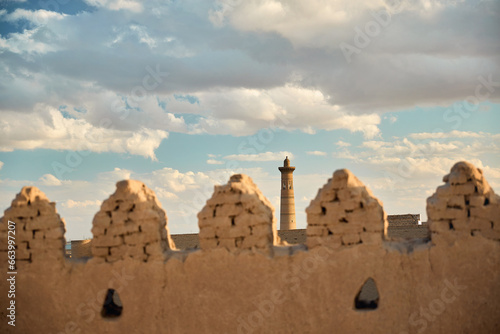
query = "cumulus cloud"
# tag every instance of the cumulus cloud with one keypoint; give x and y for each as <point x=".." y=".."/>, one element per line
<point x="265" y="156"/>
<point x="162" y="193"/>
<point x="408" y="158"/>
<point x="319" y="153"/>
<point x="290" y="107"/>
<point x="27" y="43"/>
<point x="341" y="143"/>
<point x="129" y="5"/>
<point x="244" y="73"/>
<point x="49" y="129"/>
<point x="303" y="24"/>
<point x="214" y="162"/>
<point x="115" y="175"/>
<point x="35" y="16"/>
<point x="405" y="171"/>
<point x="451" y="134"/>
<point x="392" y="119"/>
<point x="80" y="204"/>
<point x="50" y="180"/>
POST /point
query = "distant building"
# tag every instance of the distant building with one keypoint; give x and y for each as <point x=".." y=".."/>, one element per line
<point x="408" y="226"/>
<point x="400" y="227"/>
<point x="287" y="209"/>
<point x="67" y="249"/>
<point x="81" y="249"/>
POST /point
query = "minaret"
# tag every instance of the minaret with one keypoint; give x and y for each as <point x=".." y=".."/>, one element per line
<point x="287" y="212"/>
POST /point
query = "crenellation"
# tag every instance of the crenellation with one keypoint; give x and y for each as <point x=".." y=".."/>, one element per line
<point x="464" y="206"/>
<point x="241" y="258"/>
<point x="39" y="229"/>
<point x="130" y="225"/>
<point x="344" y="208"/>
<point x="245" y="222"/>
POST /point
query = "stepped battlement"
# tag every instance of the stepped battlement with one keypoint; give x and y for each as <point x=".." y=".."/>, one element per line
<point x="350" y="274"/>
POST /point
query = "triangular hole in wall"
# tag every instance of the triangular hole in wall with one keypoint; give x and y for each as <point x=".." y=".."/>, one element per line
<point x="367" y="298"/>
<point x="112" y="307"/>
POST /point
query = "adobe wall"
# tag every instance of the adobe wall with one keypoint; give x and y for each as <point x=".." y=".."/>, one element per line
<point x="406" y="226"/>
<point x="243" y="280"/>
<point x="81" y="248"/>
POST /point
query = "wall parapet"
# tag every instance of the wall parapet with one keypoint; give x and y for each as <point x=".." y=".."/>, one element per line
<point x="465" y="205"/>
<point x="344" y="212"/>
<point x="131" y="224"/>
<point x="39" y="228"/>
<point x="238" y="217"/>
<point x="260" y="284"/>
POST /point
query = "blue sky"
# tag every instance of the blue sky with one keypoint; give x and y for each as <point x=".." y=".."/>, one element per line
<point x="180" y="95"/>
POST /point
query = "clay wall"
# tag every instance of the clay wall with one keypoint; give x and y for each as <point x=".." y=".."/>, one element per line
<point x="349" y="276"/>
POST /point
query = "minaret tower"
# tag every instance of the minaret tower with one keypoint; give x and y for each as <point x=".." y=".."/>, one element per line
<point x="287" y="212"/>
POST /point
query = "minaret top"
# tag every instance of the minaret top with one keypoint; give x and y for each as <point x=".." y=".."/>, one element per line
<point x="286" y="166"/>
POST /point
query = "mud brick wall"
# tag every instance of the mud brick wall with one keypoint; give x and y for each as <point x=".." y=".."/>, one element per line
<point x="465" y="205"/>
<point x="81" y="248"/>
<point x="344" y="212"/>
<point x="39" y="229"/>
<point x="347" y="277"/>
<point x="237" y="217"/>
<point x="130" y="224"/>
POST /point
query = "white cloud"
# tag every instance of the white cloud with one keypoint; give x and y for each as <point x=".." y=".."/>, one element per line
<point x="145" y="142"/>
<point x="50" y="180"/>
<point x="451" y="134"/>
<point x="244" y="111"/>
<point x="319" y="23"/>
<point x="50" y="130"/>
<point x="320" y="153"/>
<point x="214" y="162"/>
<point x="133" y="31"/>
<point x="253" y="73"/>
<point x="1" y="164"/>
<point x="81" y="204"/>
<point x="162" y="193"/>
<point x="491" y="172"/>
<point x="174" y="181"/>
<point x="27" y="43"/>
<point x="406" y="171"/>
<point x="40" y="16"/>
<point x="115" y="175"/>
<point x="265" y="156"/>
<point x="392" y="119"/>
<point x="130" y="5"/>
<point x="414" y="159"/>
<point x="341" y="143"/>
<point x="303" y="24"/>
<point x="322" y="23"/>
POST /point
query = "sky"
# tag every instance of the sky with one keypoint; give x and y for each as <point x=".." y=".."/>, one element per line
<point x="182" y="94"/>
